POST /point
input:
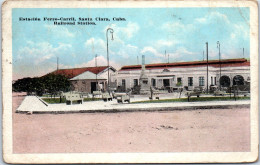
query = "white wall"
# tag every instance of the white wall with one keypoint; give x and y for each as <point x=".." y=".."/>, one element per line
<point x="184" y="73"/>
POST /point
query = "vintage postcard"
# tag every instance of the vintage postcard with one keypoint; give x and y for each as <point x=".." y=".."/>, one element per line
<point x="130" y="81"/>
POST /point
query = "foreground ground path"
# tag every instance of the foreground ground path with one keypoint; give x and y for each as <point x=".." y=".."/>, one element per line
<point x="200" y="130"/>
<point x="35" y="105"/>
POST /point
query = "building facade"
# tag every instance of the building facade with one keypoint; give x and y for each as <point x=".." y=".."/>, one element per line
<point x="186" y="74"/>
<point x="88" y="82"/>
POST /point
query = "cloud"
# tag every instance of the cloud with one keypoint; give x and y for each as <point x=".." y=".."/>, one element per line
<point x="239" y="31"/>
<point x="207" y="26"/>
<point x="37" y="59"/>
<point x="59" y="31"/>
<point x="96" y="45"/>
<point x="130" y="29"/>
<point x="118" y="50"/>
<point x="39" y="52"/>
<point x="184" y="51"/>
<point x="101" y="61"/>
<point x="127" y="50"/>
<point x="181" y="53"/>
<point x="177" y="28"/>
<point x="126" y="32"/>
<point x="212" y="27"/>
<point x="151" y="51"/>
<point x="165" y="43"/>
<point x="177" y="55"/>
<point x="213" y="17"/>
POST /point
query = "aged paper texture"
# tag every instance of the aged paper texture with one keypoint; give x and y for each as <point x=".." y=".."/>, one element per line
<point x="130" y="81"/>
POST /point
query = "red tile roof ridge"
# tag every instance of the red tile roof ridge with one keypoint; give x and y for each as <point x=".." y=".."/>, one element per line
<point x="82" y="68"/>
<point x="73" y="72"/>
<point x="186" y="64"/>
<point x="223" y="60"/>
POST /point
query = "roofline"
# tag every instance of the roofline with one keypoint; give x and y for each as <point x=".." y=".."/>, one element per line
<point x="190" y="62"/>
<point x="53" y="72"/>
<point x="81" y="68"/>
<point x="184" y="63"/>
<point x="85" y="79"/>
<point x="111" y="67"/>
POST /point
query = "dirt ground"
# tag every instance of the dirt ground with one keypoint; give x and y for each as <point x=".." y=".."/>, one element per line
<point x="209" y="130"/>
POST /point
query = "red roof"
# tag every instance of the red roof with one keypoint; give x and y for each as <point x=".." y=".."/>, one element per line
<point x="213" y="63"/>
<point x="73" y="72"/>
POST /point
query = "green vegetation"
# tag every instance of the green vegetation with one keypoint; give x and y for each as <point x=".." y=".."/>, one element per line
<point x="50" y="83"/>
<point x="53" y="100"/>
<point x="57" y="100"/>
<point x="92" y="99"/>
<point x="194" y="99"/>
<point x="178" y="84"/>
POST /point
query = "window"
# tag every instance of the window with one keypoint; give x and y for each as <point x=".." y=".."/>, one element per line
<point x="123" y="82"/>
<point x="135" y="82"/>
<point x="179" y="81"/>
<point x="211" y="80"/>
<point x="215" y="80"/>
<point x="190" y="81"/>
<point x="238" y="80"/>
<point x="201" y="81"/>
<point x="153" y="82"/>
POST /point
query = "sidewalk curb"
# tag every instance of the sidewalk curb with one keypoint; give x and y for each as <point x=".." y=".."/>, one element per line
<point x="150" y="109"/>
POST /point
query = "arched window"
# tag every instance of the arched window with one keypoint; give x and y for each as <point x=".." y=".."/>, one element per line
<point x="225" y="81"/>
<point x="238" y="80"/>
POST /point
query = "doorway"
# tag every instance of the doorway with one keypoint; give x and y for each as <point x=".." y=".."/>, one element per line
<point x="166" y="82"/>
<point x="93" y="87"/>
<point x="225" y="81"/>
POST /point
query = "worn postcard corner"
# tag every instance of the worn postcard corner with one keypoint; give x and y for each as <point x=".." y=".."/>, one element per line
<point x="130" y="81"/>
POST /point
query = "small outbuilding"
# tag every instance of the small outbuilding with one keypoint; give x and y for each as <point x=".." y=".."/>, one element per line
<point x="88" y="82"/>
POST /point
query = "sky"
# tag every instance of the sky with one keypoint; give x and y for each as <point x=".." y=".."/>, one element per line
<point x="181" y="32"/>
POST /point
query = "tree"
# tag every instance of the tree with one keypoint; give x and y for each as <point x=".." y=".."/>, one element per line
<point x="24" y="85"/>
<point x="51" y="83"/>
<point x="54" y="83"/>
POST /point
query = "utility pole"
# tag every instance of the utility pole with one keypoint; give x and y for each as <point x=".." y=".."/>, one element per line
<point x="165" y="55"/>
<point x="243" y="53"/>
<point x="57" y="63"/>
<point x="96" y="72"/>
<point x="218" y="46"/>
<point x="207" y="67"/>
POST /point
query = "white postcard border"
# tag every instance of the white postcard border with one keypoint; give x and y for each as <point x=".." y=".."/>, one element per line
<point x="181" y="157"/>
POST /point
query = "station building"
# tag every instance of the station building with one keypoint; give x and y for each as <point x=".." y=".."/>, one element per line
<point x="226" y="73"/>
